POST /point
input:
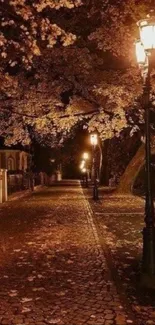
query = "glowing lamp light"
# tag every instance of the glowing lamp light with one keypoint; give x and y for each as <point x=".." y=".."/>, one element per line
<point x="82" y="164"/>
<point x="84" y="170"/>
<point x="85" y="155"/>
<point x="93" y="139"/>
<point x="147" y="33"/>
<point x="140" y="53"/>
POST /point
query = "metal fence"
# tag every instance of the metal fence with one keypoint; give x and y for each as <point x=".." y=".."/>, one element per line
<point x="21" y="181"/>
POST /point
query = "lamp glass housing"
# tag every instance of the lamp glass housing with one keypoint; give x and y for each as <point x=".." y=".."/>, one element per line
<point x="140" y="53"/>
<point x="93" y="139"/>
<point x="147" y="33"/>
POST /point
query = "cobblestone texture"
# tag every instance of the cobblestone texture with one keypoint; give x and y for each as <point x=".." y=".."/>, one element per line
<point x="52" y="268"/>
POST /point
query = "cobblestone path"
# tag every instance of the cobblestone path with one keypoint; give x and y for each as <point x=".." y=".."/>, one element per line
<point x="52" y="269"/>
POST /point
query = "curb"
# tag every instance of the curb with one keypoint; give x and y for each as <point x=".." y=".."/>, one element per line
<point x="21" y="194"/>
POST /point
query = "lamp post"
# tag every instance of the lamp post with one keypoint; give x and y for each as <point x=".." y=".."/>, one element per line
<point x="94" y="142"/>
<point x="84" y="171"/>
<point x="144" y="51"/>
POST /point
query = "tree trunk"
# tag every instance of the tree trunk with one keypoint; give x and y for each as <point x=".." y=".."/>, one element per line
<point x="104" y="178"/>
<point x="128" y="178"/>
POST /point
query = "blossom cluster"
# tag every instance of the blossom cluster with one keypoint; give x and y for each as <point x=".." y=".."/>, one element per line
<point x="26" y="29"/>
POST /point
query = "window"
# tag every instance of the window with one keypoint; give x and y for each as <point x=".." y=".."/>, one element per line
<point x="11" y="163"/>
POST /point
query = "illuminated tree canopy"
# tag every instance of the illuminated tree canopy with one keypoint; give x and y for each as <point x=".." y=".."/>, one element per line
<point x="67" y="62"/>
<point x="27" y="28"/>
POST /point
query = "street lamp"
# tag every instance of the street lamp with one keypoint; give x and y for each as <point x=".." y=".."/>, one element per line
<point x="82" y="164"/>
<point x="84" y="172"/>
<point x="83" y="169"/>
<point x="94" y="142"/>
<point x="86" y="157"/>
<point x="144" y="51"/>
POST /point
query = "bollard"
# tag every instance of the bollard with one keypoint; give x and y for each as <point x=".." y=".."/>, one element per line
<point x="3" y="185"/>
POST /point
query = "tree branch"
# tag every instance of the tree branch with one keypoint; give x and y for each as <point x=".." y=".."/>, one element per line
<point x="10" y="109"/>
<point x="95" y="111"/>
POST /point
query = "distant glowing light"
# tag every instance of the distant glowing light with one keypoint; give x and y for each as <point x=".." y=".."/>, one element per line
<point x="82" y="164"/>
<point x="94" y="139"/>
<point x="85" y="155"/>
